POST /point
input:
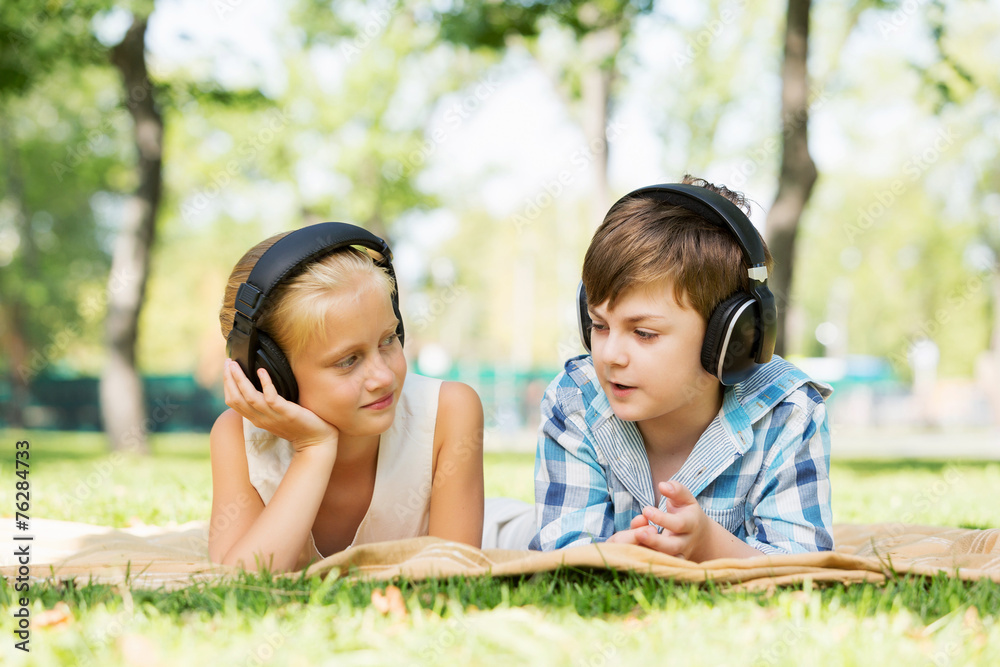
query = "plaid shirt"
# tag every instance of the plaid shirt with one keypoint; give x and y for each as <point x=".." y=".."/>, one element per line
<point x="760" y="469"/>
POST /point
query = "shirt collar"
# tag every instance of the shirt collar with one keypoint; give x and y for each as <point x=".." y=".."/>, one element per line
<point x="728" y="437"/>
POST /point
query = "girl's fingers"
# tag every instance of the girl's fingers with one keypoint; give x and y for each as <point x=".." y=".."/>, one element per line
<point x="243" y="396"/>
<point x="230" y="385"/>
<point x="267" y="388"/>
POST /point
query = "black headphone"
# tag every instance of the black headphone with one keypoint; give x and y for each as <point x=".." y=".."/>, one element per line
<point x="253" y="348"/>
<point x="742" y="329"/>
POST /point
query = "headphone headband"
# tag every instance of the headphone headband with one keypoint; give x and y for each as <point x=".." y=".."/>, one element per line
<point x="294" y="251"/>
<point x="713" y="207"/>
<point x="253" y="348"/>
<point x="737" y="338"/>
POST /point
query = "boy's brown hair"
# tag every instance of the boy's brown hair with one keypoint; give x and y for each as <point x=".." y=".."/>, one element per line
<point x="644" y="241"/>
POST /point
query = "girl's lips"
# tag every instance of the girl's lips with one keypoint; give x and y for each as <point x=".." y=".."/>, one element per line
<point x="381" y="403"/>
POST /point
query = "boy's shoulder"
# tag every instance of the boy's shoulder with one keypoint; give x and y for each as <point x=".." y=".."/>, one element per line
<point x="576" y="388"/>
<point x="777" y="382"/>
<point x="578" y="377"/>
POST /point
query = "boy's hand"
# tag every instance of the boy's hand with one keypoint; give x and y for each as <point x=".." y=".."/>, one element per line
<point x="631" y="536"/>
<point x="685" y="526"/>
<point x="687" y="530"/>
<point x="269" y="411"/>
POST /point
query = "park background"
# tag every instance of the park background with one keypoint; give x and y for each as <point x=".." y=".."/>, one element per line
<point x="145" y="146"/>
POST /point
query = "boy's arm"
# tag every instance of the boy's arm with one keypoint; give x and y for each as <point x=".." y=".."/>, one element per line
<point x="791" y="505"/>
<point x="572" y="502"/>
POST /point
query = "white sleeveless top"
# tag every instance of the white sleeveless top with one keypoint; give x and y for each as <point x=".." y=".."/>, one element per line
<point x="400" y="505"/>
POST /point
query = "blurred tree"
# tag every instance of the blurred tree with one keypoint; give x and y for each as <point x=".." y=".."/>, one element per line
<point x="60" y="150"/>
<point x="51" y="247"/>
<point x="901" y="222"/>
<point x="798" y="171"/>
<point x="344" y="137"/>
<point x="363" y="153"/>
<point x="36" y="38"/>
<point x="64" y="35"/>
<point x="966" y="86"/>
<point x="585" y="74"/>
<point x="122" y="397"/>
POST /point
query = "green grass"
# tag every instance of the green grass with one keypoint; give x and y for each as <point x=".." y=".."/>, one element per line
<point x="569" y="617"/>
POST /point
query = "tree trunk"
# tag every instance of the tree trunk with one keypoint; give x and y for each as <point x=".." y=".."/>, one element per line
<point x="598" y="50"/>
<point x="798" y="171"/>
<point x="122" y="399"/>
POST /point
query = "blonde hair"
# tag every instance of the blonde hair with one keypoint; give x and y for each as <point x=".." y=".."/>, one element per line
<point x="296" y="310"/>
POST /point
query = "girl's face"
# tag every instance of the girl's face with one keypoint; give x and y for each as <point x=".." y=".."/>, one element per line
<point x="352" y="378"/>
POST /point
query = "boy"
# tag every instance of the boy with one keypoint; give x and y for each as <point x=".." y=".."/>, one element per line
<point x="734" y="441"/>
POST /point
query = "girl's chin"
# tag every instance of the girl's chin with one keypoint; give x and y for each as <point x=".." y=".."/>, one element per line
<point x="374" y="425"/>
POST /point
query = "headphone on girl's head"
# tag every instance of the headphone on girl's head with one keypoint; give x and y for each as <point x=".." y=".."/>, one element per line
<point x="253" y="348"/>
<point x="742" y="329"/>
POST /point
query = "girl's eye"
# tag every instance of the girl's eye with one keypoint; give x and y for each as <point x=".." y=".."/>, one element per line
<point x="389" y="340"/>
<point x="645" y="335"/>
<point x="346" y="362"/>
<point x="598" y="327"/>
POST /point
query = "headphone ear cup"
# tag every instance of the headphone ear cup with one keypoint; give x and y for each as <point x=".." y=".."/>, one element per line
<point x="583" y="320"/>
<point x="731" y="338"/>
<point x="270" y="357"/>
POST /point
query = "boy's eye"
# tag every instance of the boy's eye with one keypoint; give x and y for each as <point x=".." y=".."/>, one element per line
<point x="598" y="327"/>
<point x="389" y="340"/>
<point x="645" y="335"/>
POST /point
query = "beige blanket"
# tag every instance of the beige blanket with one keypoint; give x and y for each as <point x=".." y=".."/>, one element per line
<point x="177" y="556"/>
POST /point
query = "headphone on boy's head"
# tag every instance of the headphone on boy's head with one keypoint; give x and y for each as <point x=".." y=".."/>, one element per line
<point x="253" y="348"/>
<point x="742" y="329"/>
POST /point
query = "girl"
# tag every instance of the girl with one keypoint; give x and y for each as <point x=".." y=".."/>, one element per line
<point x="362" y="452"/>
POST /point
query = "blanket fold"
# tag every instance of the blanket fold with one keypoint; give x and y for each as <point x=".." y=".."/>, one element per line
<point x="176" y="556"/>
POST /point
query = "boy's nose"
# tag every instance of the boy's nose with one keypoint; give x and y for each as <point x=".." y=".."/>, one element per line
<point x="612" y="352"/>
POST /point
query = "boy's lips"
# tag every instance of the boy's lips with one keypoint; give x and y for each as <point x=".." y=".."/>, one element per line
<point x="620" y="390"/>
<point x="381" y="403"/>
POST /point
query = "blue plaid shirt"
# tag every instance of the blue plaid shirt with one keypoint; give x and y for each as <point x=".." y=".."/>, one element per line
<point x="760" y="469"/>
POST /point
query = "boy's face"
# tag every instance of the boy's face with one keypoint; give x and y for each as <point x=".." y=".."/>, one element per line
<point x="353" y="378"/>
<point x="647" y="354"/>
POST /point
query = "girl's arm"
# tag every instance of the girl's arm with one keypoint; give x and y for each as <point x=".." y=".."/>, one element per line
<point x="457" y="488"/>
<point x="244" y="531"/>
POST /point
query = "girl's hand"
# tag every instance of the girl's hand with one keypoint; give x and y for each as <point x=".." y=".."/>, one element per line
<point x="269" y="411"/>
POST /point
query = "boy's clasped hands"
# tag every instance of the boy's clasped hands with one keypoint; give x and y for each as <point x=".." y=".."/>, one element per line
<point x="687" y="532"/>
<point x="684" y="525"/>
